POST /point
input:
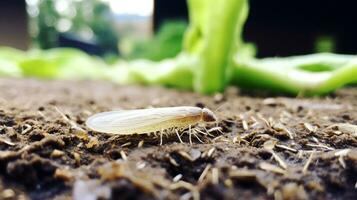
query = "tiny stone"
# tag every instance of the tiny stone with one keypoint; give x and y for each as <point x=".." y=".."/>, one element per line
<point x="7" y="193"/>
<point x="63" y="174"/>
<point x="218" y="98"/>
<point x="57" y="153"/>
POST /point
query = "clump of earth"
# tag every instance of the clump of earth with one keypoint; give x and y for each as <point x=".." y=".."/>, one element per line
<point x="264" y="146"/>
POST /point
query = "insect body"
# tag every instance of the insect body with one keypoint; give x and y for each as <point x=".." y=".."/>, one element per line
<point x="142" y="121"/>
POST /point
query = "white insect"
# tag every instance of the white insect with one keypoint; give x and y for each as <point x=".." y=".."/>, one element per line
<point x="141" y="121"/>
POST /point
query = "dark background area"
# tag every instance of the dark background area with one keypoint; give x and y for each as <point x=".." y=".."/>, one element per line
<point x="13" y="24"/>
<point x="283" y="28"/>
<point x="277" y="27"/>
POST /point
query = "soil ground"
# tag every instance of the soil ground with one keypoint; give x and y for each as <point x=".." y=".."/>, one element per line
<point x="264" y="146"/>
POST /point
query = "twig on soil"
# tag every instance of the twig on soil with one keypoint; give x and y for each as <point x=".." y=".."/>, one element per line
<point x="42" y="115"/>
<point x="245" y="125"/>
<point x="272" y="168"/>
<point x="204" y="173"/>
<point x="140" y="165"/>
<point x="321" y="146"/>
<point x="208" y="153"/>
<point x="6" y="141"/>
<point x="173" y="161"/>
<point x="185" y="155"/>
<point x="141" y="143"/>
<point x="341" y="154"/>
<point x="279" y="160"/>
<point x="345" y="128"/>
<point x="27" y="129"/>
<point x="286" y="148"/>
<point x="310" y="127"/>
<point x="307" y="164"/>
<point x="342" y="162"/>
<point x="266" y="122"/>
<point x="215" y="176"/>
<point x="123" y="155"/>
<point x="279" y="126"/>
<point x="177" y="178"/>
<point x="71" y="122"/>
<point x="238" y="139"/>
<point x="126" y="144"/>
<point x="188" y="186"/>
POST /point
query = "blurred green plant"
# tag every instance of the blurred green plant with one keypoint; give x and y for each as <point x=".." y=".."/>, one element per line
<point x="89" y="19"/>
<point x="212" y="57"/>
<point x="167" y="42"/>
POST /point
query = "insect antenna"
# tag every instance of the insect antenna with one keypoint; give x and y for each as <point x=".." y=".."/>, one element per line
<point x="220" y="106"/>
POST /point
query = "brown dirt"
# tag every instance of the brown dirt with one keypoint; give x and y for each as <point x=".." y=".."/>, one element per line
<point x="271" y="147"/>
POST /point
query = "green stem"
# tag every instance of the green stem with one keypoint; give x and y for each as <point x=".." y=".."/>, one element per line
<point x="213" y="37"/>
<point x="309" y="75"/>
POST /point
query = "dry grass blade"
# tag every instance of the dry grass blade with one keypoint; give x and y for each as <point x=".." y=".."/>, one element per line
<point x="286" y="148"/>
<point x="320" y="146"/>
<point x="343" y="152"/>
<point x="308" y="162"/>
<point x="342" y="162"/>
<point x="6" y="141"/>
<point x="123" y="155"/>
<point x="173" y="161"/>
<point x="242" y="174"/>
<point x="177" y="178"/>
<point x="27" y="129"/>
<point x="266" y="122"/>
<point x="345" y="128"/>
<point x="215" y="176"/>
<point x="211" y="151"/>
<point x="245" y="125"/>
<point x="269" y="145"/>
<point x="71" y="122"/>
<point x="279" y="160"/>
<point x="272" y="168"/>
<point x="279" y="126"/>
<point x="311" y="128"/>
<point x="140" y="165"/>
<point x="126" y="144"/>
<point x="188" y="186"/>
<point x="270" y="102"/>
<point x="141" y="143"/>
<point x="185" y="155"/>
<point x="204" y="173"/>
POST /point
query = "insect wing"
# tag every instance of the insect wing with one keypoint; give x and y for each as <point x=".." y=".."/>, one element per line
<point x="126" y="121"/>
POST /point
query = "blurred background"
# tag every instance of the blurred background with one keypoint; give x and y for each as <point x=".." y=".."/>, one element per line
<point x="143" y="28"/>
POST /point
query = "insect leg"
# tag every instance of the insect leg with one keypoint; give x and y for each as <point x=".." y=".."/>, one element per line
<point x="197" y="136"/>
<point x="208" y="133"/>
<point x="190" y="134"/>
<point x="199" y="131"/>
<point x="178" y="135"/>
<point x="161" y="137"/>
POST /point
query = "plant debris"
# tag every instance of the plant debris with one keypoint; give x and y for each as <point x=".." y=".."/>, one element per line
<point x="265" y="147"/>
